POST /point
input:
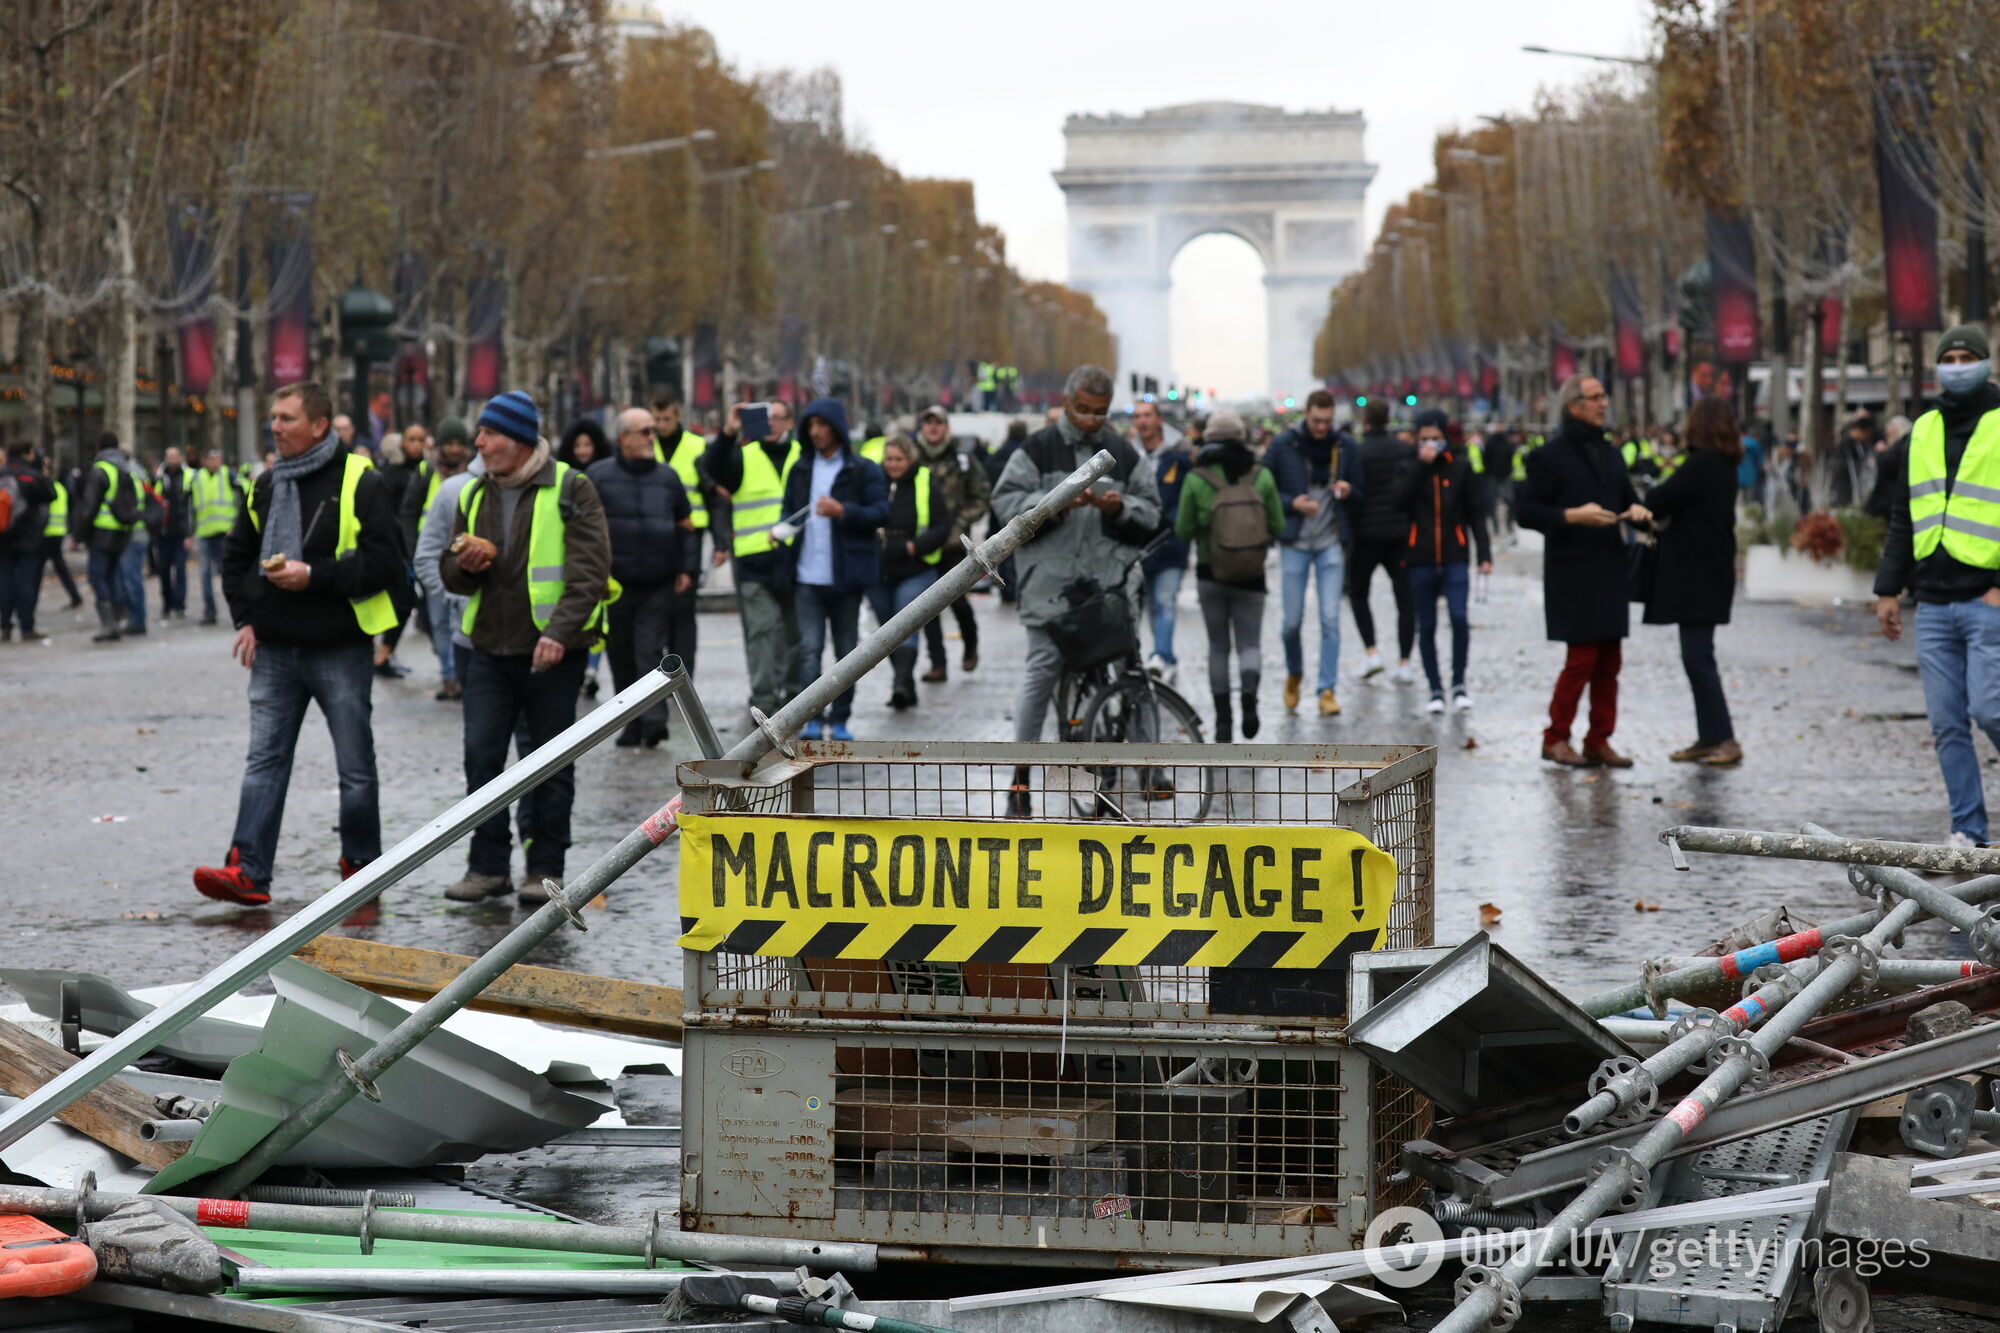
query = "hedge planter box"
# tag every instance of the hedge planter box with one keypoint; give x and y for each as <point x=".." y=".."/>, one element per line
<point x="1774" y="574"/>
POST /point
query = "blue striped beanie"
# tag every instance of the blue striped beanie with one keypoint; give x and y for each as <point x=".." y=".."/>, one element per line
<point x="514" y="415"/>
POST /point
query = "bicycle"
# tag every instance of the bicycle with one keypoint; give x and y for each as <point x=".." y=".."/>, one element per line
<point x="1120" y="701"/>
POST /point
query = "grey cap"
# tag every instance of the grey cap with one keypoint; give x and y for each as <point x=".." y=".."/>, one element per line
<point x="1224" y="424"/>
<point x="1965" y="338"/>
<point x="935" y="411"/>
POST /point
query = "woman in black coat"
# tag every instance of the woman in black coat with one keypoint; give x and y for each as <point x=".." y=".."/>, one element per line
<point x="1576" y="491"/>
<point x="1696" y="568"/>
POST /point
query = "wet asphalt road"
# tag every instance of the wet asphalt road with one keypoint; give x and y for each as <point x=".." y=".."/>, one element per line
<point x="150" y="733"/>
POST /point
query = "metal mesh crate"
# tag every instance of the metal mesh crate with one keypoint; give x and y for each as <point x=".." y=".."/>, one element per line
<point x="1051" y="1113"/>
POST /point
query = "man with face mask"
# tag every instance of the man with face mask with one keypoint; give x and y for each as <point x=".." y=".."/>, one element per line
<point x="1943" y="546"/>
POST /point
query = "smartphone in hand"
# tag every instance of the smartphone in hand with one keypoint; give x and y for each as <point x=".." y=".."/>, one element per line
<point x="753" y="421"/>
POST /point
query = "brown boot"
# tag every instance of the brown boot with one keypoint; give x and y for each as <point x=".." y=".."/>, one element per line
<point x="1726" y="755"/>
<point x="1562" y="752"/>
<point x="1605" y="755"/>
<point x="1693" y="754"/>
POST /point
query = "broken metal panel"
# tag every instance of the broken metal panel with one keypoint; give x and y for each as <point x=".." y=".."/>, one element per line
<point x="1664" y="1275"/>
<point x="56" y="1155"/>
<point x="1373" y="977"/>
<point x="450" y="1101"/>
<point x="207" y="1043"/>
<point x="1479" y="1028"/>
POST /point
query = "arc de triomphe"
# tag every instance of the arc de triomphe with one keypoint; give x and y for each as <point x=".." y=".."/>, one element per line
<point x="1139" y="188"/>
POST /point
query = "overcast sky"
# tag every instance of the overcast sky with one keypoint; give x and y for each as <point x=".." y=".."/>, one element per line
<point x="980" y="90"/>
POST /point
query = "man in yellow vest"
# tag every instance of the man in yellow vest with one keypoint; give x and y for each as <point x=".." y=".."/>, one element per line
<point x="307" y="571"/>
<point x="537" y="577"/>
<point x="217" y="498"/>
<point x="749" y="475"/>
<point x="1943" y="546"/>
<point x="53" y="536"/>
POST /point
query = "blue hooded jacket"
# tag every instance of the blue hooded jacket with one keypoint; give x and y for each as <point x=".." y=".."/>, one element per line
<point x="861" y="487"/>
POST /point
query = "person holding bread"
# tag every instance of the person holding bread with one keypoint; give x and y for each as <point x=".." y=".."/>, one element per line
<point x="307" y="570"/>
<point x="530" y="547"/>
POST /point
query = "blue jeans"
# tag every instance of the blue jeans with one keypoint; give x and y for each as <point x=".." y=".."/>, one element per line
<point x="132" y="580"/>
<point x="283" y="680"/>
<point x="886" y="599"/>
<point x="211" y="548"/>
<point x="821" y="610"/>
<point x="1298" y="568"/>
<point x="441" y="636"/>
<point x="1427" y="583"/>
<point x="1162" y="590"/>
<point x="172" y="563"/>
<point x="1958" y="656"/>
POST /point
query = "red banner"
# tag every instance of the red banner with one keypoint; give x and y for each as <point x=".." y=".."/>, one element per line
<point x="1732" y="265"/>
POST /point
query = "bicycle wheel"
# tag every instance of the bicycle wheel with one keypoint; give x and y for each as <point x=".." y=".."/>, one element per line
<point x="1137" y="709"/>
<point x="1073" y="694"/>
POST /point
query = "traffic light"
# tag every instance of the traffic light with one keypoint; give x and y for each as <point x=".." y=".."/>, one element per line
<point x="1173" y="395"/>
<point x="1409" y="400"/>
<point x="1291" y="402"/>
<point x="1361" y="400"/>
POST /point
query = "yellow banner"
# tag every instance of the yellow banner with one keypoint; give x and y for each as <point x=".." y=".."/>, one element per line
<point x="796" y="886"/>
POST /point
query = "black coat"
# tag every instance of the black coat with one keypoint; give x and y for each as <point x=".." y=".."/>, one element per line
<point x="646" y="512"/>
<point x="1695" y="569"/>
<point x="1374" y="509"/>
<point x="1585" y="578"/>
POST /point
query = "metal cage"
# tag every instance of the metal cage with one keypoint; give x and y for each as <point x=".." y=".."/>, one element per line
<point x="1005" y="1112"/>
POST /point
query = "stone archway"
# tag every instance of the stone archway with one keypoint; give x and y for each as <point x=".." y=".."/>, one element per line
<point x="1138" y="188"/>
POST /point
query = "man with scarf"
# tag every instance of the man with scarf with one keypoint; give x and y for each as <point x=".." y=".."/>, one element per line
<point x="538" y="571"/>
<point x="1318" y="472"/>
<point x="1943" y="546"/>
<point x="307" y="572"/>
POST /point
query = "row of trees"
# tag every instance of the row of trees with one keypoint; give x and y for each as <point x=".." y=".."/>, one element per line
<point x="620" y="179"/>
<point x="1765" y="112"/>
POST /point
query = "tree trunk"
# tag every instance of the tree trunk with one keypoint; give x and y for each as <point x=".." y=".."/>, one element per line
<point x="120" y="364"/>
<point x="37" y="388"/>
<point x="1809" y="401"/>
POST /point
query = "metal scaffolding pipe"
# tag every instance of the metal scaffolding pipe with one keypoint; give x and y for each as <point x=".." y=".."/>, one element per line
<point x="373" y="1224"/>
<point x="337" y="904"/>
<point x="1927" y="856"/>
<point x="488" y="1281"/>
<point x="1982" y="929"/>
<point x="1891" y="974"/>
<point x="1489" y="1299"/>
<point x="566" y="904"/>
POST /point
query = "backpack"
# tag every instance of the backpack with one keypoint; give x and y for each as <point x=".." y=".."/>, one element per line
<point x="14" y="506"/>
<point x="152" y="505"/>
<point x="1239" y="529"/>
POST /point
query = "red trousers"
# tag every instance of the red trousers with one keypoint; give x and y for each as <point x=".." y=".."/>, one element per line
<point x="1595" y="665"/>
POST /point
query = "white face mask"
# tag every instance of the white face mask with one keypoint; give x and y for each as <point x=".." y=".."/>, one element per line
<point x="1964" y="378"/>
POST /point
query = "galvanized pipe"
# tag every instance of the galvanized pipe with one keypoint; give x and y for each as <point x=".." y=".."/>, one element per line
<point x="170" y="1131"/>
<point x="1706" y="973"/>
<point x="1489" y="1299"/>
<point x="335" y="905"/>
<point x="381" y="1224"/>
<point x="1981" y="929"/>
<point x="1890" y="973"/>
<point x="487" y="1281"/>
<point x="566" y="904"/>
<point x="1928" y="856"/>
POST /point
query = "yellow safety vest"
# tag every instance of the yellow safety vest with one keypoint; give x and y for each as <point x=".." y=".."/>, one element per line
<point x="1964" y="513"/>
<point x="546" y="555"/>
<point x="922" y="480"/>
<point x="434" y="480"/>
<point x="873" y="447"/>
<point x="760" y="500"/>
<point x="686" y="450"/>
<point x="214" y="503"/>
<point x="376" y="614"/>
<point x="105" y="519"/>
<point x="1476" y="451"/>
<point x="58" y="523"/>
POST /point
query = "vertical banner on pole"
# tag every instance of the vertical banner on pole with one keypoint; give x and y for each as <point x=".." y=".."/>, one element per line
<point x="288" y="294"/>
<point x="485" y="316"/>
<point x="1628" y="325"/>
<point x="1562" y="356"/>
<point x="707" y="366"/>
<point x="791" y="355"/>
<point x="413" y="372"/>
<point x="1732" y="263"/>
<point x="1906" y="179"/>
<point x="191" y="265"/>
<point x="1831" y="258"/>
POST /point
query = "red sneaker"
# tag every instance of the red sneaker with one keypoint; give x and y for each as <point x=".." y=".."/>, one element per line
<point x="370" y="912"/>
<point x="348" y="870"/>
<point x="227" y="883"/>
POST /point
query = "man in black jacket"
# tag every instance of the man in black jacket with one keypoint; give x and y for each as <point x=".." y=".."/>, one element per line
<point x="21" y="543"/>
<point x="1446" y="524"/>
<point x="1943" y="545"/>
<point x="655" y="551"/>
<point x="104" y="519"/>
<point x="1380" y="529"/>
<point x="307" y="573"/>
<point x="175" y="538"/>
